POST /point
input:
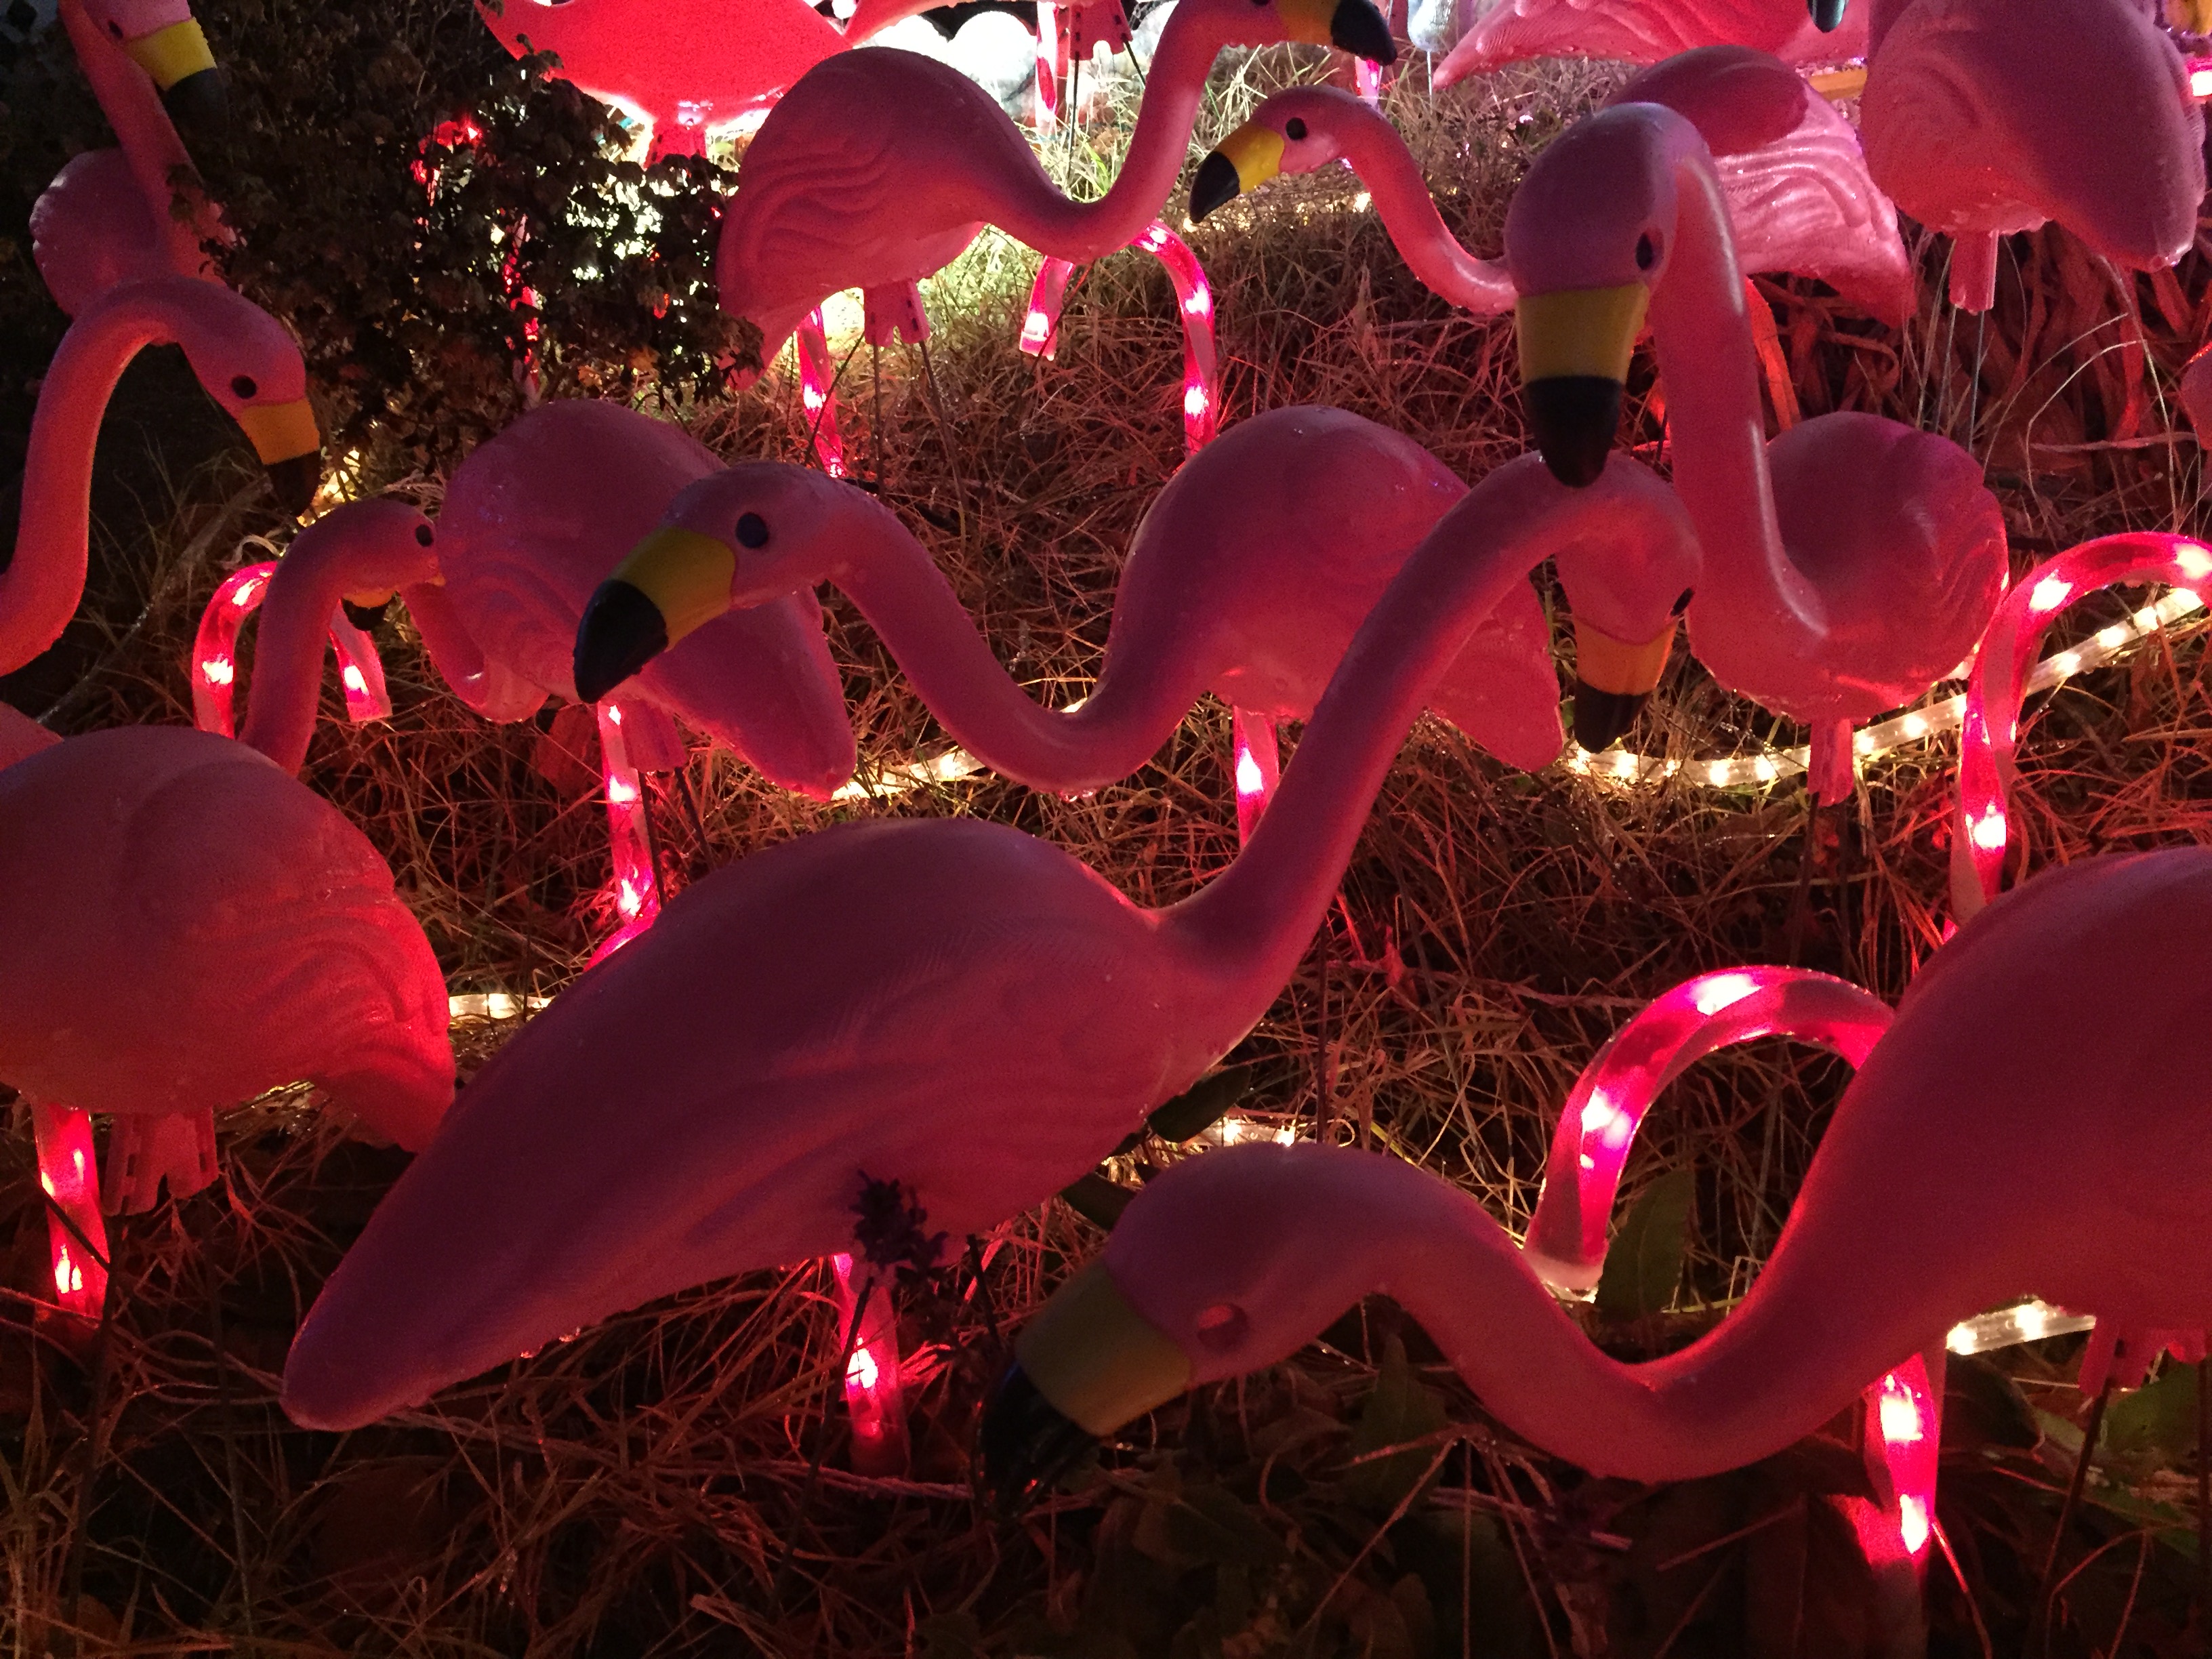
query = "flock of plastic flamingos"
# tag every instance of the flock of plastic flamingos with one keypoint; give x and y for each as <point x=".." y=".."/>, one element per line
<point x="184" y="926"/>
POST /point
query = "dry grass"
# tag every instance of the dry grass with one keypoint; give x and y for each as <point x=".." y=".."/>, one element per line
<point x="637" y="1490"/>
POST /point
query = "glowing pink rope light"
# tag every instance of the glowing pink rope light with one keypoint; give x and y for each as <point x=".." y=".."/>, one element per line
<point x="637" y="884"/>
<point x="1566" y="1241"/>
<point x="1982" y="829"/>
<point x="66" y="1168"/>
<point x="1255" y="768"/>
<point x="1051" y="65"/>
<point x="875" y="1393"/>
<point x="2200" y="77"/>
<point x="215" y="656"/>
<point x="1367" y="75"/>
<point x="1201" y="369"/>
<point x="817" y="379"/>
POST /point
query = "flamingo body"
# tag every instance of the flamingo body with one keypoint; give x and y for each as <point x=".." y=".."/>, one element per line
<point x="184" y="927"/>
<point x="950" y="1005"/>
<point x="1638" y="31"/>
<point x="91" y="228"/>
<point x="682" y="65"/>
<point x="534" y="519"/>
<point x="1984" y="117"/>
<point x="2032" y="1121"/>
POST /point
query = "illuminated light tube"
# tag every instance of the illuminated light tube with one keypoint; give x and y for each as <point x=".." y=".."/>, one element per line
<point x="492" y="1005"/>
<point x="818" y="378"/>
<point x="2002" y="678"/>
<point x="875" y="1394"/>
<point x="637" y="884"/>
<point x="1202" y="370"/>
<point x="215" y="655"/>
<point x="1255" y="766"/>
<point x="68" y="1173"/>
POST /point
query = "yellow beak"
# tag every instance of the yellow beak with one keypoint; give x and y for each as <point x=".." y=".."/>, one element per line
<point x="1575" y="347"/>
<point x="170" y="54"/>
<point x="686" y="575"/>
<point x="1605" y="664"/>
<point x="1243" y="161"/>
<point x="280" y="432"/>
<point x="1096" y="1359"/>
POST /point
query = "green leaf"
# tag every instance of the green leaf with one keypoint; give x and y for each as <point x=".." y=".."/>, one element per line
<point x="2156" y="1423"/>
<point x="1209" y="1523"/>
<point x="1398" y="1410"/>
<point x="1644" y="1264"/>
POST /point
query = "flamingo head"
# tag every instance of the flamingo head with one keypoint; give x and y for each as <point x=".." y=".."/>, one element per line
<point x="1293" y="131"/>
<point x="737" y="539"/>
<point x="164" y="38"/>
<point x="1627" y="594"/>
<point x="1354" y="25"/>
<point x="1217" y="1269"/>
<point x="1589" y="236"/>
<point x="383" y="544"/>
<point x="250" y="366"/>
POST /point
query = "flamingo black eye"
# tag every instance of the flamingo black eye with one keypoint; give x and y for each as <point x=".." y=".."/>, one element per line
<point x="115" y="28"/>
<point x="244" y="386"/>
<point x="1682" y="604"/>
<point x="424" y="536"/>
<point x="1294" y="129"/>
<point x="1646" y="251"/>
<point x="752" y="530"/>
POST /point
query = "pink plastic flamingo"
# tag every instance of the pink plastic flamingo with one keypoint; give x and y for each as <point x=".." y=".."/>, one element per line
<point x="878" y="167"/>
<point x="163" y="39"/>
<point x="1248" y="578"/>
<point x="239" y="352"/>
<point x="1795" y="186"/>
<point x="183" y="926"/>
<point x="944" y="1006"/>
<point x="1643" y="32"/>
<point x="1990" y="731"/>
<point x="1566" y="1240"/>
<point x="2011" y="1130"/>
<point x="106" y="217"/>
<point x="1850" y="564"/>
<point x="1984" y="117"/>
<point x="678" y="66"/>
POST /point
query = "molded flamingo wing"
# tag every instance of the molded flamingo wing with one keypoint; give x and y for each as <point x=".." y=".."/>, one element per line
<point x="91" y="228"/>
<point x="1996" y="117"/>
<point x="1502" y="690"/>
<point x="1643" y="32"/>
<point x="494" y="690"/>
<point x="684" y="65"/>
<point x="762" y="681"/>
<point x="858" y="1015"/>
<point x="186" y="928"/>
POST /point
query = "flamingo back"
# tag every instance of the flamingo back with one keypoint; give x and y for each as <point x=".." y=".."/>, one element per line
<point x="1642" y="32"/>
<point x="91" y="228"/>
<point x="183" y="926"/>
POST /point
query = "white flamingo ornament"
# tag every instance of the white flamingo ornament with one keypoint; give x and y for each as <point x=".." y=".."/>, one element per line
<point x="946" y="1010"/>
<point x="2010" y="1131"/>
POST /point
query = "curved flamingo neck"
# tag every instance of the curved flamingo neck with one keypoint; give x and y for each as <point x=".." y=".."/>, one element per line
<point x="1702" y="334"/>
<point x="40" y="590"/>
<point x="1777" y="1367"/>
<point x="871" y="557"/>
<point x="1255" y="920"/>
<point x="149" y="140"/>
<point x="1409" y="214"/>
<point x="341" y="553"/>
<point x="1037" y="213"/>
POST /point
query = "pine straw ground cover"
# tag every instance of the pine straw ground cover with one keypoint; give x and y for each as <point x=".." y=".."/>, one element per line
<point x="672" y="1482"/>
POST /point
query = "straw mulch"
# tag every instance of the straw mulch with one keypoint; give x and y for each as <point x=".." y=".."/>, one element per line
<point x="673" y="1482"/>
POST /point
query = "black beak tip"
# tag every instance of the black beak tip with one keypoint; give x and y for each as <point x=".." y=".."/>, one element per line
<point x="1215" y="184"/>
<point x="1828" y="15"/>
<point x="1573" y="419"/>
<point x="295" y="481"/>
<point x="1603" y="718"/>
<point x="1024" y="1442"/>
<point x="621" y="631"/>
<point x="1361" y="30"/>
<point x="365" y="617"/>
<point x="200" y="102"/>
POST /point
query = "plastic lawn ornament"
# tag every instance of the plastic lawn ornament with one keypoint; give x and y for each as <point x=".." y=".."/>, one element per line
<point x="1982" y="830"/>
<point x="1201" y="369"/>
<point x="679" y="67"/>
<point x="1790" y="172"/>
<point x="1636" y="31"/>
<point x="163" y="39"/>
<point x="1850" y="564"/>
<point x="945" y="1006"/>
<point x="1986" y="117"/>
<point x="215" y="654"/>
<point x="2008" y="1131"/>
<point x="532" y="519"/>
<point x="238" y="352"/>
<point x="1248" y="578"/>
<point x="878" y="167"/>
